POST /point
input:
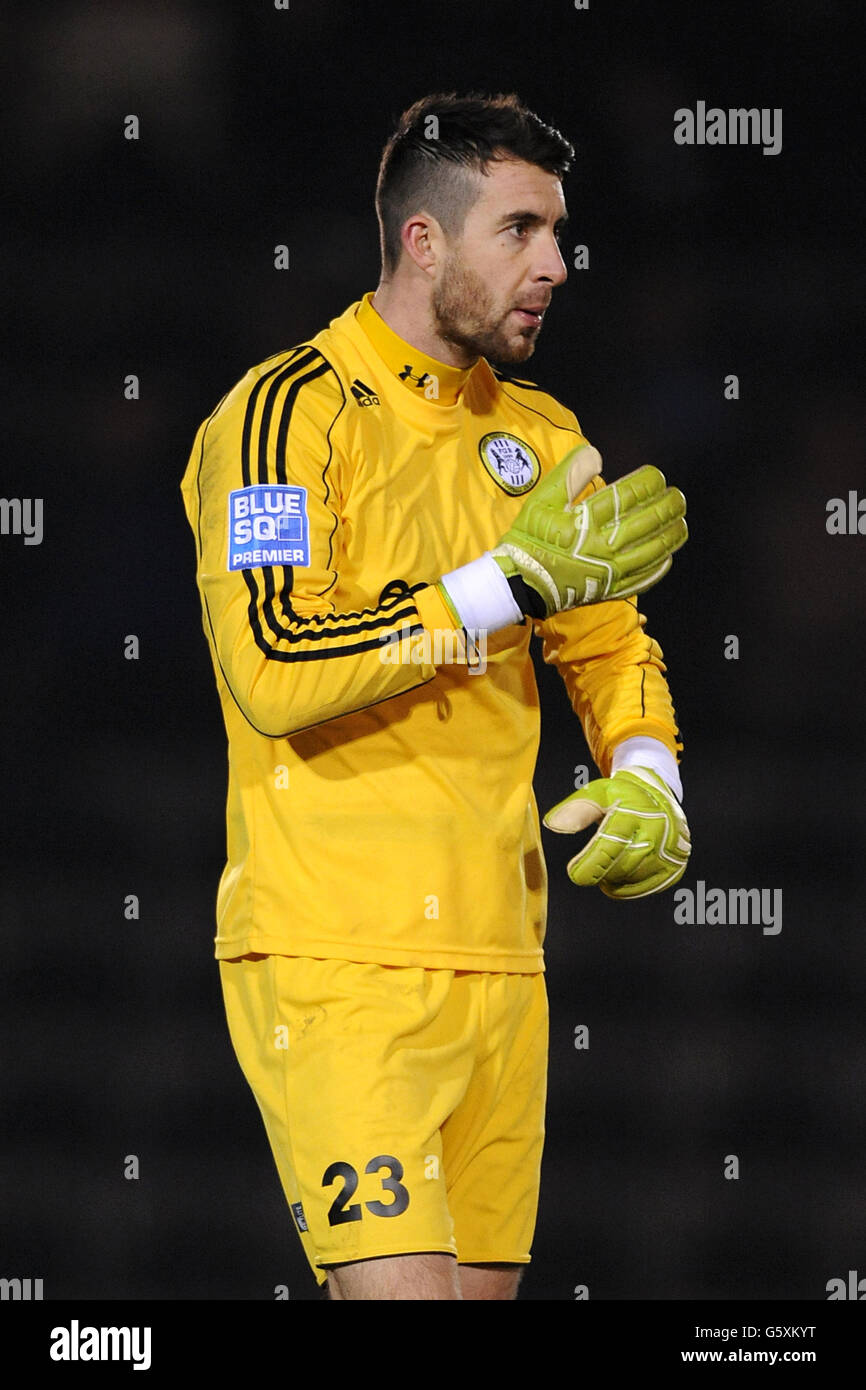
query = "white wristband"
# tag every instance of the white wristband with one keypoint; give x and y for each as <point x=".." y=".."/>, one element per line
<point x="648" y="752"/>
<point x="482" y="595"/>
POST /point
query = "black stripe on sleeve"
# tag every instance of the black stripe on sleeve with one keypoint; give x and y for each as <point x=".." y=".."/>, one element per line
<point x="292" y="373"/>
<point x="305" y="367"/>
<point x="249" y="415"/>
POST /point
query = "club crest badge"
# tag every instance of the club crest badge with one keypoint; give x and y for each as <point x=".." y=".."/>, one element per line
<point x="510" y="462"/>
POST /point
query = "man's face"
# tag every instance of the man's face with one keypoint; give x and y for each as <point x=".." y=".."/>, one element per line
<point x="495" y="280"/>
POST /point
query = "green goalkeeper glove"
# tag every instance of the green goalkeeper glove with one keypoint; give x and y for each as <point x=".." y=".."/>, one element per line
<point x="642" y="845"/>
<point x="619" y="541"/>
<point x="559" y="553"/>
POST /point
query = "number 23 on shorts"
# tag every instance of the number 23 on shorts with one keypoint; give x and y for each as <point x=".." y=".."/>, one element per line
<point x="344" y="1209"/>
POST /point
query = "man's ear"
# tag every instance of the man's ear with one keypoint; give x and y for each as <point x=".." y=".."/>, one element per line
<point x="422" y="240"/>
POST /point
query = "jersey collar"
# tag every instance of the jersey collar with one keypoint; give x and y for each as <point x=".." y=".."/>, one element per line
<point x="426" y="378"/>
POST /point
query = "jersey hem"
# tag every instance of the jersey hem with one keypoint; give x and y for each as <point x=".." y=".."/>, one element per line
<point x="504" y="963"/>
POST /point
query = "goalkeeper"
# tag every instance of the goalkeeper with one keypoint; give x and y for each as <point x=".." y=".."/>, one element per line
<point x="361" y="504"/>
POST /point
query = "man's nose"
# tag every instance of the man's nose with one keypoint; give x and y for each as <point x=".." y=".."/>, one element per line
<point x="551" y="266"/>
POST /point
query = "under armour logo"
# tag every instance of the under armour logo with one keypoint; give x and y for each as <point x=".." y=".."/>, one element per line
<point x="408" y="374"/>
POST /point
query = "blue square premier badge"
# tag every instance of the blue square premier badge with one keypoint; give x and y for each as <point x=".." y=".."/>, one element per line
<point x="268" y="526"/>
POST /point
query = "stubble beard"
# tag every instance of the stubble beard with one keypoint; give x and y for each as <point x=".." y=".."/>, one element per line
<point x="464" y="316"/>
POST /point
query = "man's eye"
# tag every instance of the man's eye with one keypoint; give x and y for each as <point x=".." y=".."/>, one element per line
<point x="520" y="229"/>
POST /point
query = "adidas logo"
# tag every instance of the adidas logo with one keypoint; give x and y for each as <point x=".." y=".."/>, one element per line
<point x="364" y="395"/>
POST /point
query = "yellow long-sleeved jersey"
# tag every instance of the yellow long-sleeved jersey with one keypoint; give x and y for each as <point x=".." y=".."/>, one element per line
<point x="380" y="803"/>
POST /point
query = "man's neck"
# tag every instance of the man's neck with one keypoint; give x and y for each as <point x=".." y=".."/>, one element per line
<point x="413" y="322"/>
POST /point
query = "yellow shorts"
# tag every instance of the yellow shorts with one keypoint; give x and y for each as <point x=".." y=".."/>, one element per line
<point x="404" y="1107"/>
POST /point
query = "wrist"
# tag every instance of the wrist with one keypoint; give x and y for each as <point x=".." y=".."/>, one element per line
<point x="480" y="596"/>
<point x="652" y="753"/>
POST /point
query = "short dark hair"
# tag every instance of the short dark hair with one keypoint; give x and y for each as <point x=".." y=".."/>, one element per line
<point x="441" y="145"/>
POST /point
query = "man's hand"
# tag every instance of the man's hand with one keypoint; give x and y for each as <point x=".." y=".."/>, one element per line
<point x="560" y="553"/>
<point x="619" y="541"/>
<point x="642" y="845"/>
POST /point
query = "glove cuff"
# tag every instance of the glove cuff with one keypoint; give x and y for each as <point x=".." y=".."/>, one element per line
<point x="528" y="600"/>
<point x="481" y="596"/>
<point x="639" y="752"/>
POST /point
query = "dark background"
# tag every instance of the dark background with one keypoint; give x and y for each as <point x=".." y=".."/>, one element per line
<point x="155" y="257"/>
